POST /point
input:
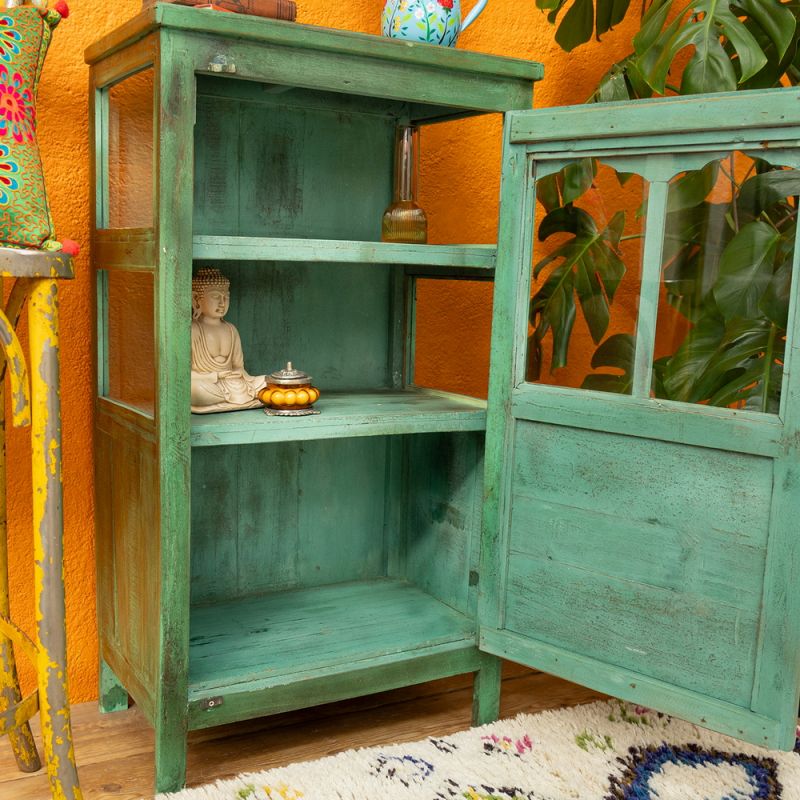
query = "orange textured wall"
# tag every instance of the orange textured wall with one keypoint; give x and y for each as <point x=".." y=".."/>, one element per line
<point x="458" y="189"/>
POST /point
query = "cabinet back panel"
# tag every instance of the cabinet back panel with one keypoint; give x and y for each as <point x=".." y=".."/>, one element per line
<point x="298" y="514"/>
<point x="444" y="513"/>
<point x="643" y="554"/>
<point x="275" y="168"/>
<point x="333" y="321"/>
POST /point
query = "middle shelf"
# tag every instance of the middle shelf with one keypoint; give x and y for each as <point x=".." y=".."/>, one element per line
<point x="347" y="414"/>
<point x="476" y="260"/>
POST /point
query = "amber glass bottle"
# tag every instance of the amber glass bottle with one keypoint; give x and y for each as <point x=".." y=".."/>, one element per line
<point x="404" y="220"/>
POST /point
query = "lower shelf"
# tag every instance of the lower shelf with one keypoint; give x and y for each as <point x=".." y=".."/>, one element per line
<point x="279" y="649"/>
<point x="346" y="414"/>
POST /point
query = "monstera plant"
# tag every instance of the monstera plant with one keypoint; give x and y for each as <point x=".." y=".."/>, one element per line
<point x="727" y="256"/>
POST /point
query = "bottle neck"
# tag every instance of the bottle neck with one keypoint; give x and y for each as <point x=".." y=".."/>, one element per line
<point x="406" y="157"/>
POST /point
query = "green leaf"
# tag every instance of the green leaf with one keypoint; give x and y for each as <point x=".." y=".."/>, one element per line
<point x="692" y="188"/>
<point x="576" y="26"/>
<point x="616" y="352"/>
<point x="704" y="26"/>
<point x="745" y="270"/>
<point x="709" y="69"/>
<point x="576" y="178"/>
<point x="775" y="301"/>
<point x="567" y="219"/>
<point x="547" y="192"/>
<point x="553" y="308"/>
<point x="593" y="302"/>
<point x="775" y="19"/>
<point x="652" y="24"/>
<point x="609" y="14"/>
<point x="760" y="192"/>
<point x="613" y="87"/>
<point x="694" y="242"/>
<point x="589" y="268"/>
<point x="692" y="358"/>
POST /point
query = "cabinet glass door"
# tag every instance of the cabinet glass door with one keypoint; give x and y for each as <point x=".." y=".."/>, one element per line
<point x="642" y="446"/>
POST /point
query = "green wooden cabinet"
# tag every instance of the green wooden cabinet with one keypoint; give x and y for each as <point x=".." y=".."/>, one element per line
<point x="249" y="565"/>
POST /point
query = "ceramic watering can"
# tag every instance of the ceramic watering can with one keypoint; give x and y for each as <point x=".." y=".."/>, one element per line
<point x="434" y="21"/>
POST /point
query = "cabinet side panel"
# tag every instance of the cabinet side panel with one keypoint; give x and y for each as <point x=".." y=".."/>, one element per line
<point x="128" y="557"/>
<point x="444" y="499"/>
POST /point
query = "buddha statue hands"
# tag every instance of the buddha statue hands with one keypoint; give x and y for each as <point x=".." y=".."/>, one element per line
<point x="219" y="379"/>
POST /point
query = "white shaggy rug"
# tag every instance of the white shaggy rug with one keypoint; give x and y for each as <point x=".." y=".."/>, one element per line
<point x="602" y="751"/>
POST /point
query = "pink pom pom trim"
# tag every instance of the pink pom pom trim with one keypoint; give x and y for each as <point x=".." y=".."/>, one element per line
<point x="62" y="8"/>
<point x="70" y="248"/>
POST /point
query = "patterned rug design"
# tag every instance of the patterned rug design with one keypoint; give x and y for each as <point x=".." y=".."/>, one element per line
<point x="602" y="751"/>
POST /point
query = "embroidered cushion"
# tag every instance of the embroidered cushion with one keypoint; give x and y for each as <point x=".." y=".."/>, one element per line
<point x="25" y="34"/>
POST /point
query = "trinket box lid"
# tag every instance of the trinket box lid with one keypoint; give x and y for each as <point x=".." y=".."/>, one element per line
<point x="289" y="376"/>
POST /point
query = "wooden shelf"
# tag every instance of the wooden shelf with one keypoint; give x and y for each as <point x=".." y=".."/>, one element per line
<point x="476" y="257"/>
<point x="347" y="414"/>
<point x="270" y="636"/>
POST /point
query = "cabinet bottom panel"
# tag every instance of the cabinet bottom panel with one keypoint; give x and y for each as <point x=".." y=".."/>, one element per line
<point x="293" y="649"/>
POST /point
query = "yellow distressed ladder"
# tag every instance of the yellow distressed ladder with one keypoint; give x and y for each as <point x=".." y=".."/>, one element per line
<point x="38" y="405"/>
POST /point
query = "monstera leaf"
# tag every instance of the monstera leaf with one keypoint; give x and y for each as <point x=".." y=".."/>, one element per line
<point x="583" y="18"/>
<point x="616" y="352"/>
<point x="588" y="267"/>
<point x="711" y="26"/>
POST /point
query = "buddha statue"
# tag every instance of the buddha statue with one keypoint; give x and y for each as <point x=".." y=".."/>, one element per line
<point x="219" y="379"/>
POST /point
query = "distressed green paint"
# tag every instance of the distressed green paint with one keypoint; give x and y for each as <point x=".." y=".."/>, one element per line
<point x="353" y="528"/>
<point x="345" y="415"/>
<point x="643" y="548"/>
<point x="112" y="694"/>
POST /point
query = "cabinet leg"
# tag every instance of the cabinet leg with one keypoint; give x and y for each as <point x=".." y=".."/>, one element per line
<point x="113" y="695"/>
<point x="171" y="749"/>
<point x="486" y="691"/>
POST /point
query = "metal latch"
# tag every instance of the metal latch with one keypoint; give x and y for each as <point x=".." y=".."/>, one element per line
<point x="220" y="64"/>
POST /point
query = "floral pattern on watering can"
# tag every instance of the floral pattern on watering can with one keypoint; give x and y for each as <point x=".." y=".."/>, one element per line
<point x="432" y="21"/>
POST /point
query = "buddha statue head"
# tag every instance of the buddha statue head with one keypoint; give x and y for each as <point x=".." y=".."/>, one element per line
<point x="211" y="294"/>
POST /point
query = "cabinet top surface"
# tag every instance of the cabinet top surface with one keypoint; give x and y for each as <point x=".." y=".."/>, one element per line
<point x="307" y="37"/>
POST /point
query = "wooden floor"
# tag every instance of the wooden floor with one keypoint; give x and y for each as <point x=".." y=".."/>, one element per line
<point x="115" y="751"/>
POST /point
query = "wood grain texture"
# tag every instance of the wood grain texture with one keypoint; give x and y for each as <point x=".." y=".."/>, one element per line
<point x="726" y="116"/>
<point x="346" y="414"/>
<point x="115" y="752"/>
<point x="318" y="501"/>
<point x="332" y="251"/>
<point x="324" y="628"/>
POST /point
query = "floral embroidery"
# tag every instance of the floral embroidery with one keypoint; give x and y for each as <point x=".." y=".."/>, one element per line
<point x="496" y="744"/>
<point x="9" y="168"/>
<point x="405" y="769"/>
<point x="9" y="38"/>
<point x="17" y="111"/>
<point x="446" y="3"/>
<point x="586" y="740"/>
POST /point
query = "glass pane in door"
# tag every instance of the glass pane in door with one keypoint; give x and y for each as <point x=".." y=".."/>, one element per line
<point x="587" y="256"/>
<point x="727" y="273"/>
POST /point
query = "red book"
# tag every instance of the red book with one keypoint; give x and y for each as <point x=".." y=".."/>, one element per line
<point x="275" y="9"/>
